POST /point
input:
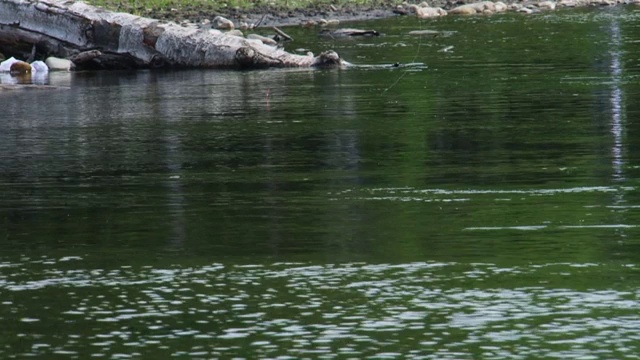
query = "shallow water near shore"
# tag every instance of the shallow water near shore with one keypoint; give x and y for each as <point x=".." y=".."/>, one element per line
<point x="478" y="201"/>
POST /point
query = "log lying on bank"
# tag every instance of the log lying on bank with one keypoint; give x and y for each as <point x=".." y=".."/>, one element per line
<point x="96" y="38"/>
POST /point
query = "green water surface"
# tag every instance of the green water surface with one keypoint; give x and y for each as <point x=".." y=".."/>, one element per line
<point x="480" y="200"/>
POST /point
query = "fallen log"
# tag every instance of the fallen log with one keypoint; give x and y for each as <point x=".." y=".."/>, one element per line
<point x="111" y="40"/>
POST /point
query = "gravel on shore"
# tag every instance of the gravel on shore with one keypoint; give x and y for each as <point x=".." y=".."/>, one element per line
<point x="263" y="16"/>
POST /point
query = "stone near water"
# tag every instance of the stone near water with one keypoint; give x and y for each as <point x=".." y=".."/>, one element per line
<point x="20" y="67"/>
<point x="58" y="64"/>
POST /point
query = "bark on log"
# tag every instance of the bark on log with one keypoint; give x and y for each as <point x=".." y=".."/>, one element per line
<point x="70" y="29"/>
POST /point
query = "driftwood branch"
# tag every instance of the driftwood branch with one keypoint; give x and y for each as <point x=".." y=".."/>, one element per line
<point x="283" y="34"/>
<point x="97" y="38"/>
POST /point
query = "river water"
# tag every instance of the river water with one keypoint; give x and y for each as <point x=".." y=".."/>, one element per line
<point x="479" y="201"/>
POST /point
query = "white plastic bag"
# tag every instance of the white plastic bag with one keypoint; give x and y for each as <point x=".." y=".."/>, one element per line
<point x="39" y="67"/>
<point x="5" y="66"/>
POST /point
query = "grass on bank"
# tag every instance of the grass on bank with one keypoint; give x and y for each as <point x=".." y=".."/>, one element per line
<point x="190" y="9"/>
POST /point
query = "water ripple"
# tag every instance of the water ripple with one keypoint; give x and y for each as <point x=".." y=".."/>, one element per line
<point x="422" y="309"/>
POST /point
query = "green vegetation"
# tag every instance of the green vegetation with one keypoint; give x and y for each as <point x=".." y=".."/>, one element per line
<point x="166" y="9"/>
<point x="198" y="9"/>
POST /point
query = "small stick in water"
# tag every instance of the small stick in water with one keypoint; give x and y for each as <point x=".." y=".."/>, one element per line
<point x="283" y="34"/>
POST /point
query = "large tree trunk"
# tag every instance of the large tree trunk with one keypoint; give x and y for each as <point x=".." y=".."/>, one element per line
<point x="103" y="39"/>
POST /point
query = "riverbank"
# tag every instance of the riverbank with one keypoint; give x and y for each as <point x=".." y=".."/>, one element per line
<point x="285" y="13"/>
<point x="192" y="15"/>
<point x="281" y="13"/>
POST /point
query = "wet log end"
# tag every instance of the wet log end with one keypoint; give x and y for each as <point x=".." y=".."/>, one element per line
<point x="247" y="57"/>
<point x="329" y="59"/>
<point x="151" y="34"/>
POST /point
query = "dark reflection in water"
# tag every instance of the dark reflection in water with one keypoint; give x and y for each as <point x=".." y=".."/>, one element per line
<point x="212" y="214"/>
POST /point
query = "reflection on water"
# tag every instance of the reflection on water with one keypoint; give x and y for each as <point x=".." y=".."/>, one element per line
<point x="479" y="202"/>
<point x="617" y="128"/>
<point x="28" y="78"/>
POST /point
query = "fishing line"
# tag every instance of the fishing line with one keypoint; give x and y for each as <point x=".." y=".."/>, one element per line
<point x="415" y="57"/>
